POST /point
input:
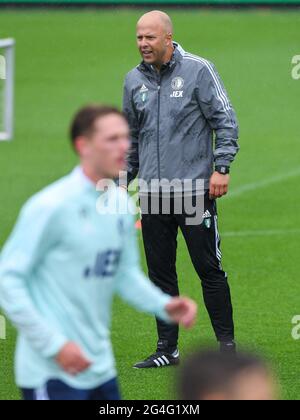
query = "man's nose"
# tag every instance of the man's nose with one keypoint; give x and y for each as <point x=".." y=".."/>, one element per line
<point x="143" y="43"/>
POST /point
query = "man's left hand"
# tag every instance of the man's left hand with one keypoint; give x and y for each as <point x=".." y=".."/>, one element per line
<point x="218" y="185"/>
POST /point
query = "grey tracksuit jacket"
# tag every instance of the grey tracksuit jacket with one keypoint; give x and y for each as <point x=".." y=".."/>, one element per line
<point x="173" y="116"/>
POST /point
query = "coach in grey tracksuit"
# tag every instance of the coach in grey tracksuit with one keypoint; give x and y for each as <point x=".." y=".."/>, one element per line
<point x="183" y="127"/>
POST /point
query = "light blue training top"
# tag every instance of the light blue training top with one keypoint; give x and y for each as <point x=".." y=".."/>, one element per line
<point x="70" y="252"/>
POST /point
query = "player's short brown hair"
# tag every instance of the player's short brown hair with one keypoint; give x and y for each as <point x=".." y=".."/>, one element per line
<point x="84" y="120"/>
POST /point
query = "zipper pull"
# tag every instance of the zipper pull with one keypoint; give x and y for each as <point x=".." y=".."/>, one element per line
<point x="158" y="87"/>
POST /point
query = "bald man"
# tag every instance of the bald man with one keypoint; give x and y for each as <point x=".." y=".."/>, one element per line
<point x="183" y="140"/>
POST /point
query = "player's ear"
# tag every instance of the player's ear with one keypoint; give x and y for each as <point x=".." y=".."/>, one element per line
<point x="80" y="144"/>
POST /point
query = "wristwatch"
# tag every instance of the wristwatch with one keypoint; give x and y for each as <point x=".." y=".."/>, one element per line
<point x="222" y="169"/>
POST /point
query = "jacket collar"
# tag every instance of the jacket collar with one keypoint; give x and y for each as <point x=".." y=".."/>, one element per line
<point x="176" y="57"/>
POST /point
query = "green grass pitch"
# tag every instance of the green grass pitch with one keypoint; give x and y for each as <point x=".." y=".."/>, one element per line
<point x="68" y="58"/>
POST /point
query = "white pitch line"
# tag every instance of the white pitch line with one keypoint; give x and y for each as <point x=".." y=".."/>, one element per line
<point x="273" y="232"/>
<point x="262" y="184"/>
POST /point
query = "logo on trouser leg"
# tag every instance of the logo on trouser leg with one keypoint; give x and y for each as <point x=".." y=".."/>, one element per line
<point x="207" y="219"/>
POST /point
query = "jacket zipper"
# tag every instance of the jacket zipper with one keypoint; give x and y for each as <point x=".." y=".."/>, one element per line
<point x="158" y="127"/>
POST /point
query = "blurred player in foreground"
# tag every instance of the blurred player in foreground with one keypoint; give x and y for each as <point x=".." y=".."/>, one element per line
<point x="69" y="253"/>
<point x="214" y="376"/>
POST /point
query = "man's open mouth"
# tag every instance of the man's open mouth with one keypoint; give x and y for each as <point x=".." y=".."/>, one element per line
<point x="147" y="53"/>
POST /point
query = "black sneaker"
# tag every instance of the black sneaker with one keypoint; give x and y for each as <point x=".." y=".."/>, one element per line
<point x="228" y="347"/>
<point x="159" y="359"/>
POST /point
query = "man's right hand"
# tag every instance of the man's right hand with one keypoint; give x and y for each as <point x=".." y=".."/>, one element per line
<point x="72" y="360"/>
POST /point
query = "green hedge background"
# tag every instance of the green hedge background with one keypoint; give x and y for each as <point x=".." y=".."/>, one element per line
<point x="142" y="2"/>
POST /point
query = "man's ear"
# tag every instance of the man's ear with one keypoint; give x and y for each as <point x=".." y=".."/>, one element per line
<point x="169" y="39"/>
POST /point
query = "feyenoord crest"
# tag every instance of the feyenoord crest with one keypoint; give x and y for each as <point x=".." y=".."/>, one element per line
<point x="207" y="223"/>
<point x="144" y="93"/>
<point x="177" y="83"/>
<point x="207" y="219"/>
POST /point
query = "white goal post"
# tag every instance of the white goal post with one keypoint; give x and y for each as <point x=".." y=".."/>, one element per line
<point x="7" y="70"/>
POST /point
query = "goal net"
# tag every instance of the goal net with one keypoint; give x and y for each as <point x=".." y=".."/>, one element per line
<point x="7" y="50"/>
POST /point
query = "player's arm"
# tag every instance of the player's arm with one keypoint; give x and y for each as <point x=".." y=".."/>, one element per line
<point x="130" y="113"/>
<point x="135" y="288"/>
<point x="22" y="252"/>
<point x="218" y="111"/>
<point x="32" y="237"/>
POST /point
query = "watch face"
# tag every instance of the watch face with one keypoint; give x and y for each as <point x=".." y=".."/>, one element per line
<point x="222" y="170"/>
